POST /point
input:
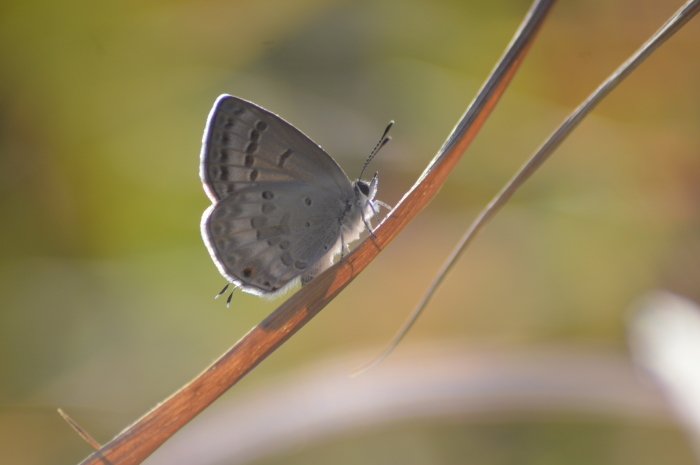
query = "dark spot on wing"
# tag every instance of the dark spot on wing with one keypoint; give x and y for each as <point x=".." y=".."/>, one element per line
<point x="219" y="173"/>
<point x="218" y="230"/>
<point x="268" y="195"/>
<point x="283" y="158"/>
<point x="223" y="155"/>
<point x="261" y="125"/>
<point x="300" y="265"/>
<point x="287" y="258"/>
<point x="249" y="160"/>
<point x="254" y="175"/>
<point x="258" y="222"/>
<point x="247" y="272"/>
<point x="307" y="201"/>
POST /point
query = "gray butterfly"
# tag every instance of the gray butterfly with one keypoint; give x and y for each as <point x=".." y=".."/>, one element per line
<point x="282" y="207"/>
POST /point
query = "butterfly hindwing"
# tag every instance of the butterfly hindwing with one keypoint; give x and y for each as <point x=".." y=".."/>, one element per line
<point x="263" y="236"/>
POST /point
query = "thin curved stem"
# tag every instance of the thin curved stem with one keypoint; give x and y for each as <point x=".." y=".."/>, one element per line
<point x="682" y="16"/>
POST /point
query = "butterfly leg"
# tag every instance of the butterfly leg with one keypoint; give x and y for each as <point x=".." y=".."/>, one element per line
<point x="364" y="219"/>
<point x="383" y="204"/>
<point x="378" y="203"/>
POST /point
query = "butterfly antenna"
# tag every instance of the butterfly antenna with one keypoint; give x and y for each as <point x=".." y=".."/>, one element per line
<point x="382" y="142"/>
<point x="222" y="290"/>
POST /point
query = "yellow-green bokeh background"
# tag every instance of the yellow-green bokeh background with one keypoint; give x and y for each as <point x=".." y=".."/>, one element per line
<point x="106" y="289"/>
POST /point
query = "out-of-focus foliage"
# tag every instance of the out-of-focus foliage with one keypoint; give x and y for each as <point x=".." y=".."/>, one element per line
<point x="106" y="289"/>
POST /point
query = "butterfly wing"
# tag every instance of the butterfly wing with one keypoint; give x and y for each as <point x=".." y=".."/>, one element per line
<point x="262" y="237"/>
<point x="245" y="143"/>
<point x="279" y="199"/>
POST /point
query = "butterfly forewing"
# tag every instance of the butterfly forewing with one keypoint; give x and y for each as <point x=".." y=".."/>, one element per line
<point x="245" y="143"/>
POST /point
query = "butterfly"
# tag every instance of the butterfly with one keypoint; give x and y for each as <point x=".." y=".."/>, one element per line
<point x="282" y="208"/>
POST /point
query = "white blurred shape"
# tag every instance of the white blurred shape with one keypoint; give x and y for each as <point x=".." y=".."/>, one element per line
<point x="665" y="340"/>
<point x="441" y="381"/>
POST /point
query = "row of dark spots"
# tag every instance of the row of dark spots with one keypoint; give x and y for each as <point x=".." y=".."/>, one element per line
<point x="250" y="149"/>
<point x="254" y="135"/>
<point x="249" y="160"/>
<point x="221" y="174"/>
<point x="253" y="146"/>
<point x="287" y="260"/>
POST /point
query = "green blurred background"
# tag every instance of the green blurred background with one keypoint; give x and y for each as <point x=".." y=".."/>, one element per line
<point x="106" y="290"/>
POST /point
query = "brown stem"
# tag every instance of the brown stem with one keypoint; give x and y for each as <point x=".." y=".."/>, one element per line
<point x="139" y="440"/>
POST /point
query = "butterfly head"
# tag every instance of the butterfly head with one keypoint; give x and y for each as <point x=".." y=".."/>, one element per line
<point x="366" y="190"/>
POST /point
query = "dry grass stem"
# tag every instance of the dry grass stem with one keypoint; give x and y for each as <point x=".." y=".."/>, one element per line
<point x="138" y="441"/>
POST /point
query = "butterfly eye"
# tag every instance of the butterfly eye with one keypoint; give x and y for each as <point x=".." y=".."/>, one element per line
<point x="364" y="188"/>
